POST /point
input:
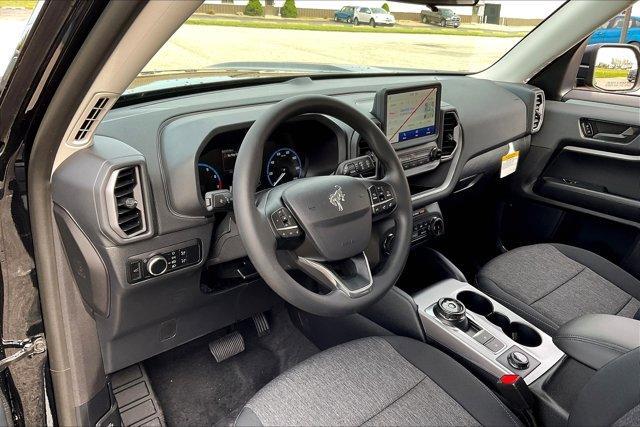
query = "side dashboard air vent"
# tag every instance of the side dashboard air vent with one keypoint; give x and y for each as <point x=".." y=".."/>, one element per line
<point x="88" y="121"/>
<point x="538" y="112"/>
<point x="450" y="134"/>
<point x="126" y="203"/>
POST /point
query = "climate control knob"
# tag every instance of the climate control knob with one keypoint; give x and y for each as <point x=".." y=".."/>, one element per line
<point x="157" y="265"/>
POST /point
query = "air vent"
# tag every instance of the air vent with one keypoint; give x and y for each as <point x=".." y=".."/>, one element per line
<point x="363" y="147"/>
<point x="538" y="112"/>
<point x="126" y="202"/>
<point x="450" y="132"/>
<point x="88" y="121"/>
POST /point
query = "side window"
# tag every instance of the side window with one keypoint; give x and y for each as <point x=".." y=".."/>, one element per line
<point x="15" y="28"/>
<point x="616" y="22"/>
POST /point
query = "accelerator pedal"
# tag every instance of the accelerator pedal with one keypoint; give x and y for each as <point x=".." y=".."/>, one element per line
<point x="262" y="324"/>
<point x="227" y="346"/>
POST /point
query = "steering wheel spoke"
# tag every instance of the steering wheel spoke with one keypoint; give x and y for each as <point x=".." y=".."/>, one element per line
<point x="352" y="276"/>
<point x="383" y="198"/>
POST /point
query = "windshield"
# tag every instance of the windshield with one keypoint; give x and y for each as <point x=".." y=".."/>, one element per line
<point x="251" y="39"/>
<point x="446" y="12"/>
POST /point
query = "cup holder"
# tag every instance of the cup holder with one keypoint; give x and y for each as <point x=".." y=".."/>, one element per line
<point x="499" y="319"/>
<point x="475" y="302"/>
<point x="523" y="334"/>
<point x="519" y="332"/>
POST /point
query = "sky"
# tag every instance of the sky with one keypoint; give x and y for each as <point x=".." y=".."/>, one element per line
<point x="510" y="9"/>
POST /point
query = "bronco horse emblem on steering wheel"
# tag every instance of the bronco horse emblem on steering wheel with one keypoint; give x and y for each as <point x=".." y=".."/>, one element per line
<point x="337" y="197"/>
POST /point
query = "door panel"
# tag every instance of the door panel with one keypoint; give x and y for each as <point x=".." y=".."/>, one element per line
<point x="580" y="186"/>
<point x="588" y="174"/>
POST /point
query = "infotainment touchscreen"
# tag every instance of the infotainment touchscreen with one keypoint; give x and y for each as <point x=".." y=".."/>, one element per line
<point x="409" y="115"/>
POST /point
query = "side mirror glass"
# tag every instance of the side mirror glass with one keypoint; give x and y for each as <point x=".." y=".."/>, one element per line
<point x="610" y="67"/>
<point x="616" y="68"/>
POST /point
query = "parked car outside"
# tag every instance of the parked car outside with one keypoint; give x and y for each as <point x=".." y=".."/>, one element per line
<point x="373" y="16"/>
<point x="610" y="31"/>
<point x="345" y="14"/>
<point x="443" y="17"/>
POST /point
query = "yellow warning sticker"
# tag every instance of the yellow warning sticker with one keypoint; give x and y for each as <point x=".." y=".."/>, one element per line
<point x="509" y="163"/>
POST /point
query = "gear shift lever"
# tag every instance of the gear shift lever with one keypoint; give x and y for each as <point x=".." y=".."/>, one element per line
<point x="452" y="312"/>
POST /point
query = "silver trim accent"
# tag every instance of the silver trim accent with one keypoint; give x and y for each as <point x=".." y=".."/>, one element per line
<point x="601" y="153"/>
<point x="454" y="158"/>
<point x="153" y="261"/>
<point x="337" y="282"/>
<point x="112" y="204"/>
<point x="447" y="182"/>
<point x="463" y="344"/>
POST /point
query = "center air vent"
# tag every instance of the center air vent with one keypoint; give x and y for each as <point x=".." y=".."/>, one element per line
<point x="450" y="134"/>
<point x="126" y="202"/>
<point x="538" y="112"/>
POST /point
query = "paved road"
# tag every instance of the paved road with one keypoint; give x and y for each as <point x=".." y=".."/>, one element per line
<point x="202" y="45"/>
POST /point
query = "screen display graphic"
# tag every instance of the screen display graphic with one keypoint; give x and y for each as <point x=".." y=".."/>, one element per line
<point x="411" y="115"/>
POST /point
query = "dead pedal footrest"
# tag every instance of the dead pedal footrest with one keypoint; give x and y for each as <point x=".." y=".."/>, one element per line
<point x="262" y="324"/>
<point x="137" y="402"/>
<point x="228" y="346"/>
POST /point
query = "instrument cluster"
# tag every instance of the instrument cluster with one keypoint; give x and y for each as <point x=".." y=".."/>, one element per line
<point x="298" y="149"/>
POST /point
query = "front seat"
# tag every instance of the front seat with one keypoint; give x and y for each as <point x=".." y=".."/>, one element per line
<point x="551" y="284"/>
<point x="377" y="381"/>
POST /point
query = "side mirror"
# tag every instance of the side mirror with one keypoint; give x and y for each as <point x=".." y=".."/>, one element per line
<point x="610" y="67"/>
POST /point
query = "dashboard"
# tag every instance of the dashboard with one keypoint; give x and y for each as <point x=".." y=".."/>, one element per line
<point x="157" y="269"/>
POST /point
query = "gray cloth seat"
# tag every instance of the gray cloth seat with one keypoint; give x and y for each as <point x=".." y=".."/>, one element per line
<point x="377" y="381"/>
<point x="551" y="284"/>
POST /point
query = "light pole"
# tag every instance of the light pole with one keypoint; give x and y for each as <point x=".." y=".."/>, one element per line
<point x="625" y="25"/>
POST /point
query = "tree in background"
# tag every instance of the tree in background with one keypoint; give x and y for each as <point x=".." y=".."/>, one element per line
<point x="289" y="9"/>
<point x="254" y="8"/>
<point x="386" y="7"/>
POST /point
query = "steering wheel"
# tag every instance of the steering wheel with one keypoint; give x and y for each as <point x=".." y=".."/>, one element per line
<point x="321" y="225"/>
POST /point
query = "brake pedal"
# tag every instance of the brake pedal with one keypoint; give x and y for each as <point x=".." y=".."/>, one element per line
<point x="226" y="347"/>
<point x="262" y="324"/>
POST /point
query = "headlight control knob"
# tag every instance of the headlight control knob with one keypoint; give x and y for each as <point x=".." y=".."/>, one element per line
<point x="157" y="265"/>
<point x="436" y="226"/>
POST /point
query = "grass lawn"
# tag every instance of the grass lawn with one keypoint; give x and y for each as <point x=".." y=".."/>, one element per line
<point x="27" y="4"/>
<point x="609" y="73"/>
<point x="289" y="25"/>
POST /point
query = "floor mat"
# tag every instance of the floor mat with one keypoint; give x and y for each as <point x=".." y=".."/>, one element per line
<point x="195" y="390"/>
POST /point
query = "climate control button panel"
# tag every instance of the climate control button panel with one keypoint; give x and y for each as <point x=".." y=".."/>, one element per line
<point x="163" y="261"/>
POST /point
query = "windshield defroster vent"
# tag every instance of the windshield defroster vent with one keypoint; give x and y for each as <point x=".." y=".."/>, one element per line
<point x="538" y="112"/>
<point x="450" y="132"/>
<point x="126" y="202"/>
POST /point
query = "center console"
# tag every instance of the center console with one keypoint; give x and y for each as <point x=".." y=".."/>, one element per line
<point x="485" y="332"/>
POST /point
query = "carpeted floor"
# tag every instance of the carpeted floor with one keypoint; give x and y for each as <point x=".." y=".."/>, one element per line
<point x="194" y="390"/>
